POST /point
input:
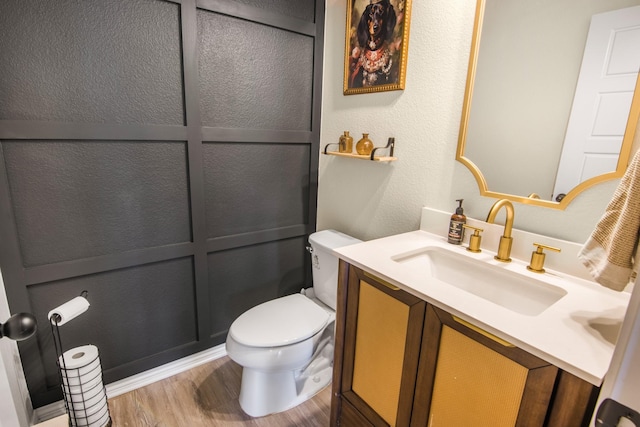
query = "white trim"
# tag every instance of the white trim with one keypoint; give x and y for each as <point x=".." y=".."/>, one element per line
<point x="142" y="379"/>
<point x="165" y="371"/>
<point x="15" y="405"/>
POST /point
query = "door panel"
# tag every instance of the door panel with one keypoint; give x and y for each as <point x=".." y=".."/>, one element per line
<point x="466" y="370"/>
<point x="382" y="337"/>
<point x="602" y="100"/>
<point x="379" y="353"/>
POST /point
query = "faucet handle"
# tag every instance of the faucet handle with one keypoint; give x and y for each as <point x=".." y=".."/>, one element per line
<point x="474" y="240"/>
<point x="537" y="258"/>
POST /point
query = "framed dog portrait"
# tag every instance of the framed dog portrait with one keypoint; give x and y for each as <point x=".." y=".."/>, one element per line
<point x="376" y="44"/>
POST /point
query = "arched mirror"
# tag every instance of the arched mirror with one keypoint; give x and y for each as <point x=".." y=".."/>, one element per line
<point x="552" y="98"/>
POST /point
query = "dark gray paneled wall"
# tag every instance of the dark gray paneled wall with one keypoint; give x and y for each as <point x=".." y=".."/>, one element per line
<point x="273" y="67"/>
<point x="135" y="312"/>
<point x="162" y="155"/>
<point x="261" y="196"/>
<point x="87" y="199"/>
<point x="91" y="61"/>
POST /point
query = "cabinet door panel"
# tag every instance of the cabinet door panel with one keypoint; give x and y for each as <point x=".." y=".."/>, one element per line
<point x="381" y="350"/>
<point x="379" y="355"/>
<point x="349" y="416"/>
<point x="468" y="370"/>
<point x="477" y="379"/>
<point x="574" y="402"/>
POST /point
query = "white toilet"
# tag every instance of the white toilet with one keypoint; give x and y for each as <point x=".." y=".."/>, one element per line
<point x="285" y="346"/>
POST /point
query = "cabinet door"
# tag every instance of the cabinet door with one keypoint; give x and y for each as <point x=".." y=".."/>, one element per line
<point x="468" y="377"/>
<point x="383" y="329"/>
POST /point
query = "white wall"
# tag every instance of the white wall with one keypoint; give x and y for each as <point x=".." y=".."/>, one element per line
<point x="370" y="200"/>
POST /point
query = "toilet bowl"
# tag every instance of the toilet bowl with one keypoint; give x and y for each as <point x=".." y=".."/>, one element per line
<point x="285" y="346"/>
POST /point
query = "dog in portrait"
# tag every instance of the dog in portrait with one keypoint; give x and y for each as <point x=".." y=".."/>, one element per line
<point x="372" y="59"/>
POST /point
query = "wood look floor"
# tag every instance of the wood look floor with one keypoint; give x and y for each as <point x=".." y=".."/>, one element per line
<point x="207" y="396"/>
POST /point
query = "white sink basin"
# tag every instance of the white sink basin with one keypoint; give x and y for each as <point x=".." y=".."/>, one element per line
<point x="518" y="293"/>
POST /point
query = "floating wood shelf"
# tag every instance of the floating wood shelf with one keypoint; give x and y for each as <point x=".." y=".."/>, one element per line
<point x="362" y="157"/>
<point x="390" y="158"/>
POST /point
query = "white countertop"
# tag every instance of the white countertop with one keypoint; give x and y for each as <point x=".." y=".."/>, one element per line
<point x="576" y="334"/>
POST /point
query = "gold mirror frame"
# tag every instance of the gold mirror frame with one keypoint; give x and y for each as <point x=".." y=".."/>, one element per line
<point x="625" y="150"/>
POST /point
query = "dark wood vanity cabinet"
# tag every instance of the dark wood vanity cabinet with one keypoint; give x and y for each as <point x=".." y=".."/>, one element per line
<point x="379" y="329"/>
<point x="402" y="362"/>
<point x="469" y="377"/>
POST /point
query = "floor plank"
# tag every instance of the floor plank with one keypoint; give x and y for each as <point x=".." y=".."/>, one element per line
<point x="207" y="396"/>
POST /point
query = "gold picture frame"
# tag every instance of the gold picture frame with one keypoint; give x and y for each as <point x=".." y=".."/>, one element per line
<point x="376" y="45"/>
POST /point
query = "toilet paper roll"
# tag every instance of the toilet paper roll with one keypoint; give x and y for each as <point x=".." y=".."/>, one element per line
<point x="82" y="385"/>
<point x="82" y="359"/>
<point x="70" y="310"/>
<point x="73" y="374"/>
<point x="88" y="400"/>
<point x="90" y="418"/>
<point x="76" y="387"/>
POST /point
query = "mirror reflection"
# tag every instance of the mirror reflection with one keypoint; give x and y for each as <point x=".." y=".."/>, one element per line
<point x="548" y="105"/>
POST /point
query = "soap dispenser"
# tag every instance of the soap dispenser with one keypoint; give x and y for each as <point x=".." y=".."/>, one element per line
<point x="456" y="229"/>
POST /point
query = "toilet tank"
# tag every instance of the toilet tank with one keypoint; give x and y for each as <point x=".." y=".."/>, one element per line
<point x="325" y="264"/>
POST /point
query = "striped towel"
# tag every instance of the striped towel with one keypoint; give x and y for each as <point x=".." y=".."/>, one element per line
<point x="610" y="251"/>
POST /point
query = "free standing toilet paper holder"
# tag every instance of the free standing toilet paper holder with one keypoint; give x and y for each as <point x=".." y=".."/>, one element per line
<point x="80" y="396"/>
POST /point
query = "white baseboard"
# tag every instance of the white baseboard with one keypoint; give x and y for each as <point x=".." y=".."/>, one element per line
<point x="142" y="379"/>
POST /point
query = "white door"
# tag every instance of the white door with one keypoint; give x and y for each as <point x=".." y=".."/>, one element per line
<point x="603" y="98"/>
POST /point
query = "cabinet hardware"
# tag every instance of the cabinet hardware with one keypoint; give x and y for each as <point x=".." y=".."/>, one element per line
<point x="482" y="332"/>
<point x="382" y="282"/>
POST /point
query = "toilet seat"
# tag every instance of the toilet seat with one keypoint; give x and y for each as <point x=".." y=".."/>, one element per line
<point x="283" y="321"/>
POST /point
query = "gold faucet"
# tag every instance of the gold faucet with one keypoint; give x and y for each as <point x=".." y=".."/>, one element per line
<point x="504" y="248"/>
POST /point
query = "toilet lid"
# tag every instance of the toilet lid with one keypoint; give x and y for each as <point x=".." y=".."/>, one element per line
<point x="279" y="322"/>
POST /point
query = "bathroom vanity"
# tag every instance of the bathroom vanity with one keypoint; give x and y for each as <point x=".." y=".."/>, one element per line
<point x="413" y="348"/>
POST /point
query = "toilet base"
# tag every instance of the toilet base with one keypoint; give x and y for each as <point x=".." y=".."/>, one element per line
<point x="263" y="393"/>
